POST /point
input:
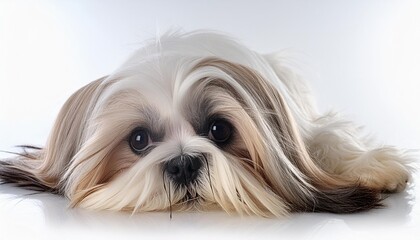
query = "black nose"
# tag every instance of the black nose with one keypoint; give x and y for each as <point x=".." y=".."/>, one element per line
<point x="183" y="169"/>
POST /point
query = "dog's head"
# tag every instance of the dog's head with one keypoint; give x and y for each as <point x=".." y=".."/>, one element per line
<point x="191" y="121"/>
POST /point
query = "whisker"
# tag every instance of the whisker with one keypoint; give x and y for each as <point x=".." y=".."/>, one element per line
<point x="188" y="200"/>
<point x="170" y="202"/>
<point x="168" y="193"/>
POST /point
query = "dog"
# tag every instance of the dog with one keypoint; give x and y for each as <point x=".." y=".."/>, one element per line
<point x="197" y="121"/>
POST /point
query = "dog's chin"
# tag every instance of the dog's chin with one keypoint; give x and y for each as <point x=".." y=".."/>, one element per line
<point x="191" y="199"/>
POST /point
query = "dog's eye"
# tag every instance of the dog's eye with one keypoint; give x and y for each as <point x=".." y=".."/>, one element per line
<point x="220" y="131"/>
<point x="139" y="140"/>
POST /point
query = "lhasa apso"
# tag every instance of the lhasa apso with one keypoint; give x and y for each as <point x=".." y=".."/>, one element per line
<point x="198" y="121"/>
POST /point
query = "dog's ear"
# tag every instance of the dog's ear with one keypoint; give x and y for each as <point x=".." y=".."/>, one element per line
<point x="42" y="168"/>
<point x="278" y="149"/>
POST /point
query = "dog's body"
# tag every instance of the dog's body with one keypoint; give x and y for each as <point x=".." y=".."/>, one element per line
<point x="198" y="121"/>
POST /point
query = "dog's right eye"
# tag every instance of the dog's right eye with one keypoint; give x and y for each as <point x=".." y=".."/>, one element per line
<point x="139" y="140"/>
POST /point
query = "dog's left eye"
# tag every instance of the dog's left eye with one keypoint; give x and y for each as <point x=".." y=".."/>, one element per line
<point x="220" y="131"/>
<point x="139" y="140"/>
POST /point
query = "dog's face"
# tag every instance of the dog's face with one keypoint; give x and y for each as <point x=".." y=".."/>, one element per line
<point x="191" y="122"/>
<point x="198" y="136"/>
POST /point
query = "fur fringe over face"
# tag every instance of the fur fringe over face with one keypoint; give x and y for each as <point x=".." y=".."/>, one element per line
<point x="198" y="121"/>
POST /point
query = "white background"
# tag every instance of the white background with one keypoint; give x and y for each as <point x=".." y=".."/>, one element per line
<point x="360" y="57"/>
